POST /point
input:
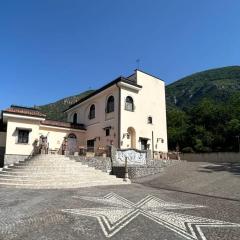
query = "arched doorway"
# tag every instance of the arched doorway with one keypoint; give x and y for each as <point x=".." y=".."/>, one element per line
<point x="72" y="143"/>
<point x="132" y="136"/>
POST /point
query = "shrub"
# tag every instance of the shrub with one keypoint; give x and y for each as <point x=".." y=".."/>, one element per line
<point x="187" y="150"/>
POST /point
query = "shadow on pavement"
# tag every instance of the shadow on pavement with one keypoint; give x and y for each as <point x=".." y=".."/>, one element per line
<point x="219" y="167"/>
<point x="193" y="193"/>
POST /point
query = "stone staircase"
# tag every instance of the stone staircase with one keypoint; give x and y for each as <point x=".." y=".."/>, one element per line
<point x="54" y="172"/>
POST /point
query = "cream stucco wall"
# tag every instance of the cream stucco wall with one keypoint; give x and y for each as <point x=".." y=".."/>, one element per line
<point x="55" y="135"/>
<point x="12" y="146"/>
<point x="149" y="101"/>
<point x="95" y="127"/>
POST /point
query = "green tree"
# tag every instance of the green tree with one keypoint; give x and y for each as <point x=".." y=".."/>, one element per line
<point x="177" y="128"/>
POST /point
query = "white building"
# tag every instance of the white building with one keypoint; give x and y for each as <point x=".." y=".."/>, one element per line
<point x="129" y="112"/>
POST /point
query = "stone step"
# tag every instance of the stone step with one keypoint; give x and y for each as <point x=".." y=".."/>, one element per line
<point x="47" y="160"/>
<point x="49" y="167"/>
<point x="50" y="159"/>
<point x="61" y="168"/>
<point x="44" y="174"/>
<point x="61" y="180"/>
<point x="48" y="164"/>
<point x="66" y="183"/>
<point x="69" y="184"/>
<point x="50" y="172"/>
<point x="63" y="186"/>
<point x="54" y="175"/>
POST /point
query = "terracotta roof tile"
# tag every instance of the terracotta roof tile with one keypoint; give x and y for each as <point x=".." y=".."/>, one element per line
<point x="24" y="111"/>
<point x="62" y="124"/>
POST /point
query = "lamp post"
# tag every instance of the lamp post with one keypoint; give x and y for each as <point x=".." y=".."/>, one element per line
<point x="126" y="177"/>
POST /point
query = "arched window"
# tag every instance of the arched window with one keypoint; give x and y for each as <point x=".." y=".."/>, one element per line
<point x="150" y="120"/>
<point x="129" y="106"/>
<point x="75" y="118"/>
<point x="72" y="135"/>
<point x="92" y="112"/>
<point x="110" y="104"/>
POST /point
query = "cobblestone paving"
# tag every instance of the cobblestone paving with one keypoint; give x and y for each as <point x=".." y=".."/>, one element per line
<point x="115" y="212"/>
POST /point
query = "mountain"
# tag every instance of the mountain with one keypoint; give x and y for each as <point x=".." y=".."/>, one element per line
<point x="202" y="110"/>
<point x="55" y="110"/>
<point x="215" y="84"/>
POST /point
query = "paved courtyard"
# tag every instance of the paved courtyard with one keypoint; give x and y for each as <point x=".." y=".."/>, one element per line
<point x="115" y="212"/>
<point x="222" y="179"/>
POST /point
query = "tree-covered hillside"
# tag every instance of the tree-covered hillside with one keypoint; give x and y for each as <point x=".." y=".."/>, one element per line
<point x="55" y="110"/>
<point x="203" y="112"/>
<point x="216" y="84"/>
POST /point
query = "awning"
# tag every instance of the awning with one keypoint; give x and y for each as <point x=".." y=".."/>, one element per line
<point x="146" y="139"/>
<point x="109" y="127"/>
<point x="22" y="128"/>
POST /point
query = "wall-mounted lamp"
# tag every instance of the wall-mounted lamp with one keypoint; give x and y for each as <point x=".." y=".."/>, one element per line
<point x="126" y="135"/>
<point x="160" y="140"/>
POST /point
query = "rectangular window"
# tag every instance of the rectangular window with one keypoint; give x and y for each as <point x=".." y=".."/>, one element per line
<point x="23" y="136"/>
<point x="107" y="132"/>
<point x="144" y="144"/>
<point x="150" y="120"/>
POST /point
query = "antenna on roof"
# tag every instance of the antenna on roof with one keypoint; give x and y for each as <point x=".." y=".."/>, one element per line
<point x="138" y="63"/>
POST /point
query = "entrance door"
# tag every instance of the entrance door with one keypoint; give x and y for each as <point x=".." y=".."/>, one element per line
<point x="90" y="145"/>
<point x="132" y="136"/>
<point x="72" y="144"/>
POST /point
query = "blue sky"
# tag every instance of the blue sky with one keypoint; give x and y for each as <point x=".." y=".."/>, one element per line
<point x="50" y="49"/>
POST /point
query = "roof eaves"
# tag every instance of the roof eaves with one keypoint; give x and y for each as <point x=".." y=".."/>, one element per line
<point x="125" y="80"/>
<point x="23" y="107"/>
<point x="28" y="115"/>
<point x="150" y="75"/>
<point x="95" y="93"/>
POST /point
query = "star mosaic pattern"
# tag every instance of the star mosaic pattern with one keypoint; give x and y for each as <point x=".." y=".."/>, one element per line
<point x="119" y="212"/>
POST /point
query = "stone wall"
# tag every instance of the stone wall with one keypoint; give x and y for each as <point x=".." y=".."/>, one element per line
<point x="211" y="157"/>
<point x="153" y="167"/>
<point x="10" y="159"/>
<point x="101" y="163"/>
<point x="135" y="172"/>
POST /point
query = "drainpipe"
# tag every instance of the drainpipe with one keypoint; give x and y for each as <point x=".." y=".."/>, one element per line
<point x="152" y="145"/>
<point x="119" y="116"/>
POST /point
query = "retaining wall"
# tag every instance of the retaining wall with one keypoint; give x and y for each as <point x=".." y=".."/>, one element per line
<point x="211" y="157"/>
<point x="101" y="163"/>
<point x="152" y="167"/>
